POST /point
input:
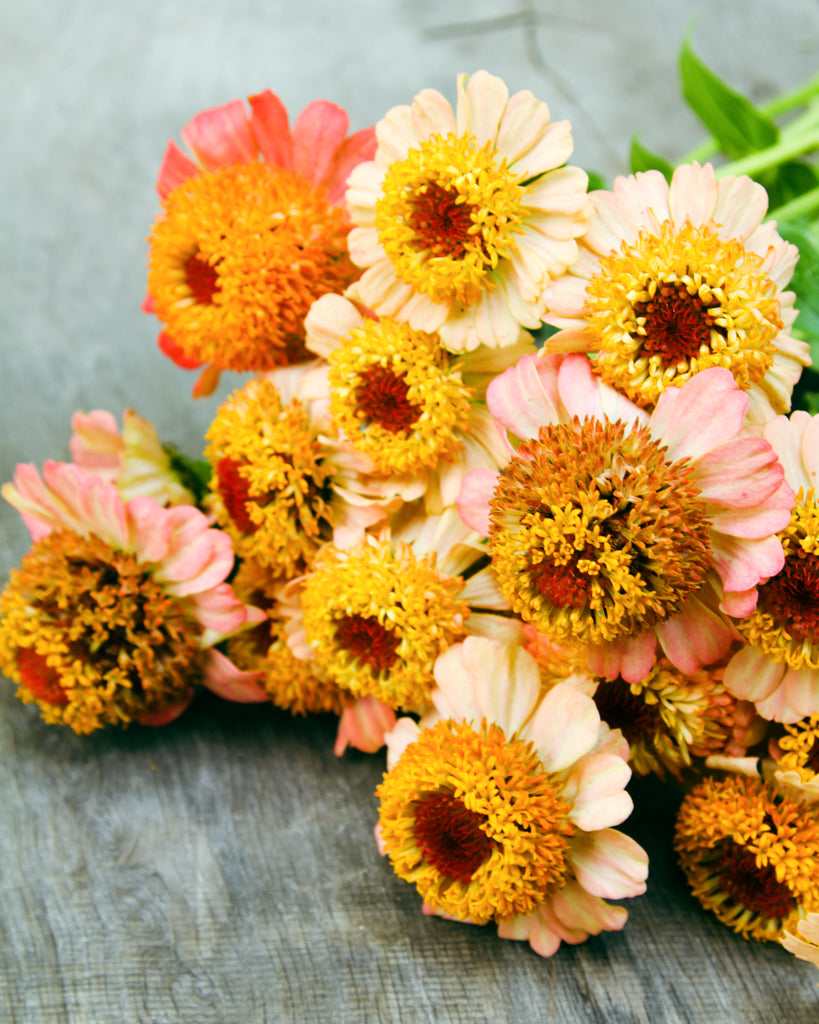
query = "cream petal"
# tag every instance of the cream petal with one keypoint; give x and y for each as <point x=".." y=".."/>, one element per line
<point x="566" y="297"/>
<point x="612" y="223"/>
<point x="330" y="319"/>
<point x="646" y="195"/>
<point x="431" y="114"/>
<point x="565" y="726"/>
<point x="740" y="208"/>
<point x="609" y="864"/>
<point x="404" y="732"/>
<point x="496" y="627"/>
<point x="396" y="135"/>
<point x="481" y="105"/>
<point x="553" y="148"/>
<point x="810" y="451"/>
<point x="537" y="928"/>
<point x="523" y="124"/>
<point x="692" y="195"/>
<point x="482" y="590"/>
<point x="595" y="787"/>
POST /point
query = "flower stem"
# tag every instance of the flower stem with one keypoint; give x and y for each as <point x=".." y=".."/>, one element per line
<point x="753" y="163"/>
<point x="799" y="207"/>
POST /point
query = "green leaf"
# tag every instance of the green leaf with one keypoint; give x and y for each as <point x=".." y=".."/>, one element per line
<point x="596" y="181"/>
<point x="788" y="181"/>
<point x="737" y="125"/>
<point x="805" y="282"/>
<point x="193" y="473"/>
<point x="643" y="159"/>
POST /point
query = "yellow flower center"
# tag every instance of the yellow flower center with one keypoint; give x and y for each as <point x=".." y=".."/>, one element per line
<point x="801" y="749"/>
<point x="238" y="258"/>
<point x="378" y="617"/>
<point x="785" y="624"/>
<point x="397" y="396"/>
<point x="447" y="214"/>
<point x="270" y="479"/>
<point x="749" y="853"/>
<point x="594" y="534"/>
<point x="91" y="637"/>
<point x="473" y="820"/>
<point x="677" y="302"/>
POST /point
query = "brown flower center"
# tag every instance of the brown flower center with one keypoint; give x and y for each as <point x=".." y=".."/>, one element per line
<point x="367" y="640"/>
<point x="676" y="324"/>
<point x="383" y="398"/>
<point x="450" y="836"/>
<point x="440" y="223"/>
<point x="756" y="888"/>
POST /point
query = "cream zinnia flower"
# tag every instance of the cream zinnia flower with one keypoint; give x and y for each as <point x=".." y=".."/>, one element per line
<point x="464" y="217"/>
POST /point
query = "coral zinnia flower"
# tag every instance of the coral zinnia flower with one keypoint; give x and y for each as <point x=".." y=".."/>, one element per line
<point x="499" y="804"/>
<point x="464" y="217"/>
<point x="134" y="459"/>
<point x="778" y="669"/>
<point x="109" y="616"/>
<point x="252" y="231"/>
<point x="749" y="853"/>
<point x="281" y="488"/>
<point x="805" y="944"/>
<point x="672" y="279"/>
<point x="376" y="615"/>
<point x="616" y="529"/>
<point x="399" y="397"/>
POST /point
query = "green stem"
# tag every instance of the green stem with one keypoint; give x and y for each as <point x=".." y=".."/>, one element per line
<point x="753" y="163"/>
<point x="799" y="207"/>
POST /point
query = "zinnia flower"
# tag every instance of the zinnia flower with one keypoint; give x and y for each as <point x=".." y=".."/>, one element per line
<point x="398" y="396"/>
<point x="111" y="614"/>
<point x="463" y="218"/>
<point x="618" y="530"/>
<point x="672" y="279"/>
<point x="281" y="488"/>
<point x="749" y="853"/>
<point x="498" y="805"/>
<point x="797" y="763"/>
<point x="253" y="229"/>
<point x="778" y="668"/>
<point x="374" y="616"/>
<point x="805" y="944"/>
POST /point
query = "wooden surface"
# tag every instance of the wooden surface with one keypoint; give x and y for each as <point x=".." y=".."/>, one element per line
<point x="222" y="869"/>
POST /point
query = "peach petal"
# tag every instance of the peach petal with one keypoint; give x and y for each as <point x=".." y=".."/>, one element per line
<point x="96" y="444"/>
<point x="646" y="195"/>
<point x="630" y="657"/>
<point x="476" y="492"/>
<point x="482" y="100"/>
<point x="537" y="928"/>
<point x="207" y="382"/>
<point x="221" y="137"/>
<point x="224" y="679"/>
<point x="609" y="864"/>
<point x="695" y="637"/>
<point x="431" y="114"/>
<point x="750" y="675"/>
<point x="612" y="223"/>
<point x="692" y="195"/>
<point x="802" y="687"/>
<point x="329" y="319"/>
<point x="683" y="418"/>
<point x="395" y="134"/>
<point x="810" y="451"/>
<point x="523" y="398"/>
<point x="740" y="207"/>
<point x="579" y="910"/>
<point x="524" y="121"/>
<point x="318" y="134"/>
<point x="596" y="789"/>
<point x="271" y="127"/>
<point x="564" y="727"/>
<point x="175" y="169"/>
<point x="551" y="150"/>
<point x="364" y="726"/>
<point x="404" y="732"/>
<point x="220" y="612"/>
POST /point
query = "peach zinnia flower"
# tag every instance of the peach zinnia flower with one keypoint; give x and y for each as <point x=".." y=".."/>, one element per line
<point x="616" y="529"/>
<point x="111" y="614"/>
<point x="464" y="217"/>
<point x="672" y="279"/>
<point x="778" y="669"/>
<point x="805" y="944"/>
<point x="498" y="805"/>
<point x="253" y="229"/>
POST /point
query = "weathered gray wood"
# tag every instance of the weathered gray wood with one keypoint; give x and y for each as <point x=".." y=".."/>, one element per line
<point x="222" y="869"/>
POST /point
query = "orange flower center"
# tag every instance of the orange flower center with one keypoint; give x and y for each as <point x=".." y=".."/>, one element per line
<point x="366" y="639"/>
<point x="383" y="398"/>
<point x="450" y="837"/>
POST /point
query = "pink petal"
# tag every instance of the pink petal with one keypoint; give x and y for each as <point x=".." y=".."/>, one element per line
<point x="695" y="637"/>
<point x="221" y="137"/>
<point x="169" y="713"/>
<point x="271" y="127"/>
<point x="151" y="528"/>
<point x="96" y="443"/>
<point x="742" y="564"/>
<point x="198" y="556"/>
<point x="220" y="612"/>
<point x="684" y="418"/>
<point x="564" y="727"/>
<point x="477" y="489"/>
<point x="740" y="474"/>
<point x="631" y="658"/>
<point x="364" y="726"/>
<point x="224" y="679"/>
<point x="174" y="170"/>
<point x="356" y="149"/>
<point x="524" y="397"/>
<point x="317" y="137"/>
<point x="609" y="864"/>
<point x="750" y="675"/>
<point x="596" y="789"/>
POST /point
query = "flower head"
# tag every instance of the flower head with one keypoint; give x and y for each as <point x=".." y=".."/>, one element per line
<point x="797" y="763"/>
<point x="674" y="278"/>
<point x="778" y="668"/>
<point x="253" y="229"/>
<point x="464" y="217"/>
<point x="110" y="613"/>
<point x="749" y="853"/>
<point x="615" y="529"/>
<point x="497" y="806"/>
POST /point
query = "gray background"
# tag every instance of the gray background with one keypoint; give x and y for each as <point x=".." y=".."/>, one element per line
<point x="222" y="869"/>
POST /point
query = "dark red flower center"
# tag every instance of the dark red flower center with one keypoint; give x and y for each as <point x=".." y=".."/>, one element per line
<point x="382" y="397"/>
<point x="234" y="491"/>
<point x="621" y="709"/>
<point x="564" y="586"/>
<point x="40" y="677"/>
<point x="756" y="888"/>
<point x="368" y="641"/>
<point x="201" y="279"/>
<point x="440" y="223"/>
<point x="792" y="597"/>
<point x="450" y="836"/>
<point x="676" y="323"/>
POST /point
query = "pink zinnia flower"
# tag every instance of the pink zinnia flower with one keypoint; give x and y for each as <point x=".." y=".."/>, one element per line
<point x="618" y="530"/>
<point x="499" y="804"/>
<point x="253" y="230"/>
<point x="112" y="614"/>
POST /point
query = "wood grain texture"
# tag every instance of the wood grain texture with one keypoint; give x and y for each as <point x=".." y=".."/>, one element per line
<point x="222" y="870"/>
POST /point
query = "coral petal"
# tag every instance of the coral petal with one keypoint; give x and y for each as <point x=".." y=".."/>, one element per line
<point x="221" y="137"/>
<point x="271" y="127"/>
<point x="317" y="137"/>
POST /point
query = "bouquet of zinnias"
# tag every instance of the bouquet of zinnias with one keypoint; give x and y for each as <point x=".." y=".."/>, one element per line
<point x="512" y="490"/>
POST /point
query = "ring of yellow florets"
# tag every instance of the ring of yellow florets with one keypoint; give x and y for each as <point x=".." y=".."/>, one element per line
<point x="238" y="258"/>
<point x="498" y="846"/>
<point x="800" y="748"/>
<point x="594" y="534"/>
<point x="91" y="637"/>
<point x="447" y="214"/>
<point x="397" y="397"/>
<point x="676" y="302"/>
<point x="750" y="854"/>
<point x="270" y="479"/>
<point x="785" y="624"/>
<point x="377" y="618"/>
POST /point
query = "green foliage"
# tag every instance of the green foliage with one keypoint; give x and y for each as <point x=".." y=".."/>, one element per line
<point x="643" y="159"/>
